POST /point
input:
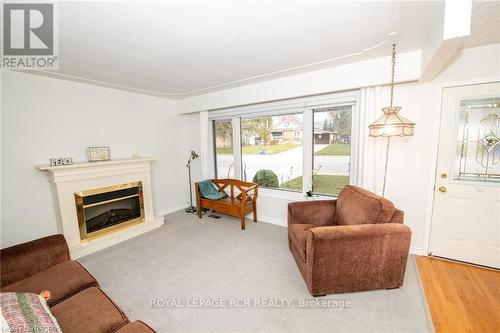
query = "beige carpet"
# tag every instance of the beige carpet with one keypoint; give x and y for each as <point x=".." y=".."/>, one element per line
<point x="187" y="262"/>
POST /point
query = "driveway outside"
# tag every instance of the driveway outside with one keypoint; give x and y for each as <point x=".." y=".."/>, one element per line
<point x="286" y="165"/>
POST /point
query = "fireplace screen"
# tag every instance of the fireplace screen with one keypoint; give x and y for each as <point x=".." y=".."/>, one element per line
<point x="109" y="209"/>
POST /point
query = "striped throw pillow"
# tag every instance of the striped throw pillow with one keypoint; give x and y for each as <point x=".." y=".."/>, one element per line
<point x="26" y="312"/>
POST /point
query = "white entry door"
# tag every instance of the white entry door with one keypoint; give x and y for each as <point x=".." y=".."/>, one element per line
<point x="466" y="212"/>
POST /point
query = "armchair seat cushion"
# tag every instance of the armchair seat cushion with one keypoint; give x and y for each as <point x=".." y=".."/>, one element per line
<point x="62" y="280"/>
<point x="89" y="311"/>
<point x="359" y="206"/>
<point x="298" y="236"/>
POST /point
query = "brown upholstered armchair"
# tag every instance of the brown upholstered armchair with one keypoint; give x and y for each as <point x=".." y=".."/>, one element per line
<point x="357" y="242"/>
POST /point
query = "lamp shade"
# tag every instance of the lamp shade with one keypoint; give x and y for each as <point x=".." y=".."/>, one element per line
<point x="194" y="155"/>
<point x="391" y="124"/>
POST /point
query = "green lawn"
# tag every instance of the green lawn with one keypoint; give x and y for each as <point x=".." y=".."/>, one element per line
<point x="269" y="149"/>
<point x="224" y="151"/>
<point x="324" y="184"/>
<point x="339" y="149"/>
<point x="335" y="149"/>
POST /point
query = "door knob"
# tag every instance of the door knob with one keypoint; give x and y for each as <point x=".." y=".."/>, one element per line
<point x="442" y="189"/>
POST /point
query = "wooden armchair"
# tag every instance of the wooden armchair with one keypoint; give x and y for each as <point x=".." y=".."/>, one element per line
<point x="239" y="205"/>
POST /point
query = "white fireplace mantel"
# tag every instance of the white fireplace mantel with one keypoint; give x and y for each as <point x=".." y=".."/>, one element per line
<point x="77" y="177"/>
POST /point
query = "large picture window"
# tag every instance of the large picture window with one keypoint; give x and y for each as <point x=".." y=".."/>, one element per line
<point x="332" y="149"/>
<point x="271" y="150"/>
<point x="298" y="145"/>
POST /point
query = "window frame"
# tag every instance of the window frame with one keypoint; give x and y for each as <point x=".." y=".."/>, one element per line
<point x="351" y="176"/>
<point x="214" y="143"/>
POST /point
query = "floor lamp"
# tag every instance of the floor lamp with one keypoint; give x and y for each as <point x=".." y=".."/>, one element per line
<point x="191" y="208"/>
<point x="391" y="123"/>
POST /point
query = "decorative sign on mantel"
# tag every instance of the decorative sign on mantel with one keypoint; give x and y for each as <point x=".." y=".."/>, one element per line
<point x="98" y="154"/>
<point x="59" y="161"/>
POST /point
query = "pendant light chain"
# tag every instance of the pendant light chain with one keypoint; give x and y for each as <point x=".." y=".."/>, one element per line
<point x="386" y="164"/>
<point x="388" y="137"/>
<point x="393" y="70"/>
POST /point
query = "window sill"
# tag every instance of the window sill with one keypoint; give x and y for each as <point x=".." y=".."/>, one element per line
<point x="290" y="195"/>
<point x="281" y="194"/>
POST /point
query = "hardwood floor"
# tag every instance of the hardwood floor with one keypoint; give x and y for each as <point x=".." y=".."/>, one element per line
<point x="461" y="298"/>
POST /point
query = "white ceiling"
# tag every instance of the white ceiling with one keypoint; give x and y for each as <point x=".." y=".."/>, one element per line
<point x="179" y="49"/>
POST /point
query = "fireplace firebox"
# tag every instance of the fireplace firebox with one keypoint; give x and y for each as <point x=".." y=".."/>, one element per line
<point x="108" y="209"/>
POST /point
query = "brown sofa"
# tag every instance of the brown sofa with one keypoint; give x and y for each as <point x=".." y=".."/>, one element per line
<point x="354" y="243"/>
<point x="77" y="302"/>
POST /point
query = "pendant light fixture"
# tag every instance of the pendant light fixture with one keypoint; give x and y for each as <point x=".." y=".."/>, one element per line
<point x="391" y="123"/>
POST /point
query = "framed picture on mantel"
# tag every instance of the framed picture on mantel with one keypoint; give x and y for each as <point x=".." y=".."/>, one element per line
<point x="96" y="154"/>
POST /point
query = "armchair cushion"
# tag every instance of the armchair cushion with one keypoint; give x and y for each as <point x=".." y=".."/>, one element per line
<point x="317" y="212"/>
<point x="358" y="206"/>
<point x="298" y="236"/>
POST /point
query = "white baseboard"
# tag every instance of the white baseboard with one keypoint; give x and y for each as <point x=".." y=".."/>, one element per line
<point x="417" y="251"/>
<point x="272" y="220"/>
<point x="172" y="209"/>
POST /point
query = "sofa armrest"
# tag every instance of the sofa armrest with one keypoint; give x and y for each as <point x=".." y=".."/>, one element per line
<point x="358" y="257"/>
<point x="24" y="260"/>
<point x="318" y="212"/>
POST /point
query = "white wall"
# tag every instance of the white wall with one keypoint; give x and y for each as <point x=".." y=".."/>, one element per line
<point x="345" y="77"/>
<point x="411" y="158"/>
<point x="45" y="117"/>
